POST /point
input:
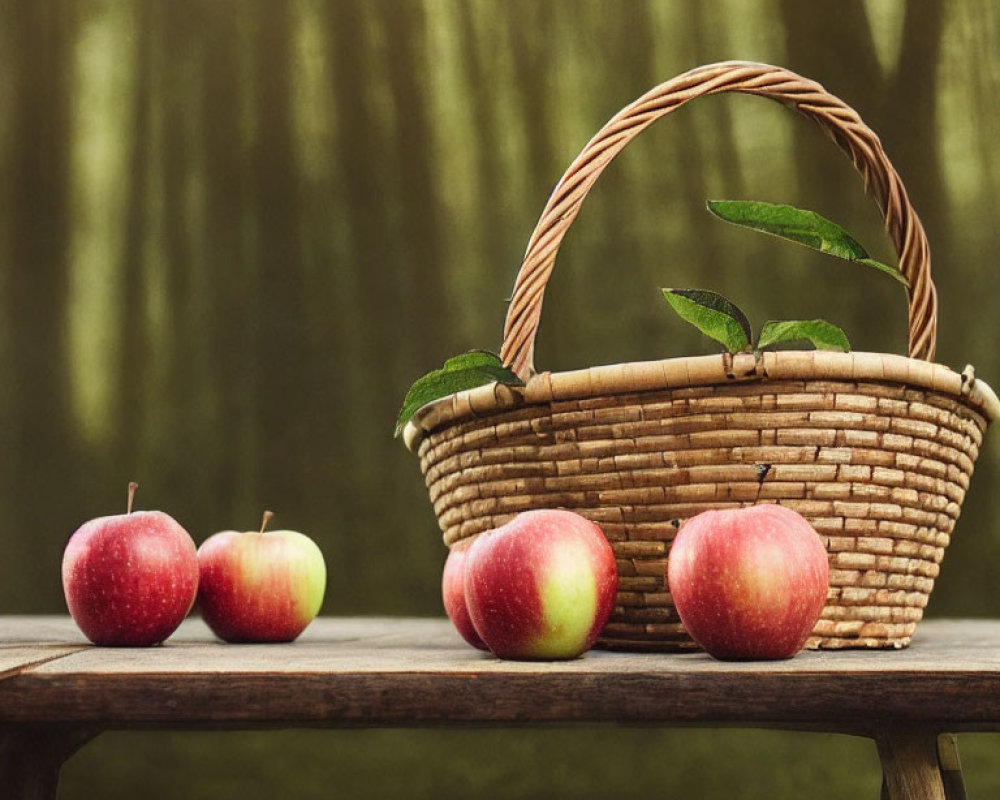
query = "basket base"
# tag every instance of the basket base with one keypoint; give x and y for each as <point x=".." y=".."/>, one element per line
<point x="815" y="643"/>
<point x="828" y="635"/>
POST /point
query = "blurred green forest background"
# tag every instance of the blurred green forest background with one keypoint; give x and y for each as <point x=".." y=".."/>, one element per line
<point x="232" y="232"/>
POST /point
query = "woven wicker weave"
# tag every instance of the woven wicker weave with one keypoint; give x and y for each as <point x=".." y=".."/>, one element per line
<point x="875" y="450"/>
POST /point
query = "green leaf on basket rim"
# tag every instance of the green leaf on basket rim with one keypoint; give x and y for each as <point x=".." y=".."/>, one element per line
<point x="712" y="314"/>
<point x="465" y="371"/>
<point x="822" y="334"/>
<point x="801" y="226"/>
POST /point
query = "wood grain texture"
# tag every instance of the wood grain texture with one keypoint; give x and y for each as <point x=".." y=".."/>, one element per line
<point x="14" y="659"/>
<point x="910" y="768"/>
<point x="951" y="767"/>
<point x="402" y="672"/>
<point x="34" y="640"/>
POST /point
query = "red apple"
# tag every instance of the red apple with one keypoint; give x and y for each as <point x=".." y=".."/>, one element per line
<point x="453" y="594"/>
<point x="260" y="586"/>
<point x="130" y="579"/>
<point x="749" y="583"/>
<point x="542" y="586"/>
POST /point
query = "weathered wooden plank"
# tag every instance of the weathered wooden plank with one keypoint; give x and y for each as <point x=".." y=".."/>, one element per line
<point x="969" y="644"/>
<point x="56" y="691"/>
<point x="14" y="659"/>
<point x="359" y="671"/>
<point x="382" y="644"/>
<point x="30" y="641"/>
<point x="27" y="630"/>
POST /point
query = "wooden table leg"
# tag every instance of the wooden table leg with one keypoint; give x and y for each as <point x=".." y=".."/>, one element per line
<point x="951" y="767"/>
<point x="32" y="756"/>
<point x="910" y="766"/>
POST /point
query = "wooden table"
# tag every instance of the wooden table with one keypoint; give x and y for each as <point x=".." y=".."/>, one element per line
<point x="57" y="692"/>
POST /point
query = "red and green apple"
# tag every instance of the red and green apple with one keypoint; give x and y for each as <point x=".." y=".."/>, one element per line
<point x="749" y="583"/>
<point x="542" y="586"/>
<point x="260" y="586"/>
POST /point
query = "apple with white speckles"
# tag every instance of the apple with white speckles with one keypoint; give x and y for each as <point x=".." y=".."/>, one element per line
<point x="749" y="583"/>
<point x="260" y="586"/>
<point x="542" y="586"/>
<point x="130" y="579"/>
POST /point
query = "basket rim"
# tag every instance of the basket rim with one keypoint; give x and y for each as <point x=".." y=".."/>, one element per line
<point x="696" y="371"/>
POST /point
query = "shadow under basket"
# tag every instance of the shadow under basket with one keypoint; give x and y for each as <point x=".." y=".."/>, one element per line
<point x="875" y="450"/>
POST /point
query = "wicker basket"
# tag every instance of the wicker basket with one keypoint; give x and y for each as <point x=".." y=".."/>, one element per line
<point x="875" y="450"/>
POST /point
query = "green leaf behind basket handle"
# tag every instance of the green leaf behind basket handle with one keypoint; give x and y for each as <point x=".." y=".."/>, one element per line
<point x="801" y="226"/>
<point x="822" y="334"/>
<point x="713" y="315"/>
<point x="459" y="373"/>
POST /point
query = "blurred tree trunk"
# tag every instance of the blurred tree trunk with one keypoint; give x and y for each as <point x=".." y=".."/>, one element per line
<point x="910" y="113"/>
<point x="178" y="47"/>
<point x="899" y="106"/>
<point x="698" y="152"/>
<point x="128" y="443"/>
<point x="357" y="136"/>
<point x="363" y="335"/>
<point x="528" y="24"/>
<point x="850" y="71"/>
<point x="232" y="274"/>
<point x="38" y="439"/>
<point x="281" y="335"/>
<point x="420" y="221"/>
<point x="479" y="58"/>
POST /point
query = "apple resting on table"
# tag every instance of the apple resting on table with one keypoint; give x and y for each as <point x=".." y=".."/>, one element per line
<point x="130" y="579"/>
<point x="260" y="586"/>
<point x="749" y="583"/>
<point x="453" y="594"/>
<point x="542" y="586"/>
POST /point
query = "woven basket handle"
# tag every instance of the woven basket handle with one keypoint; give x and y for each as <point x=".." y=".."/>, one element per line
<point x="807" y="97"/>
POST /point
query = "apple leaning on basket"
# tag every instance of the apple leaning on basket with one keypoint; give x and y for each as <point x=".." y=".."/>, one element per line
<point x="749" y="583"/>
<point x="874" y="451"/>
<point x="541" y="586"/>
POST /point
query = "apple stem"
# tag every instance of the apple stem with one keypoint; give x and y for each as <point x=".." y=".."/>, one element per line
<point x="267" y="519"/>
<point x="131" y="496"/>
<point x="762" y="473"/>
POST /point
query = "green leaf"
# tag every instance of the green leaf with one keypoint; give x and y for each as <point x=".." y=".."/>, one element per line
<point x="820" y="333"/>
<point x="890" y="271"/>
<point x="472" y="360"/>
<point x="462" y="372"/>
<point x="800" y="226"/>
<point x="713" y="315"/>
